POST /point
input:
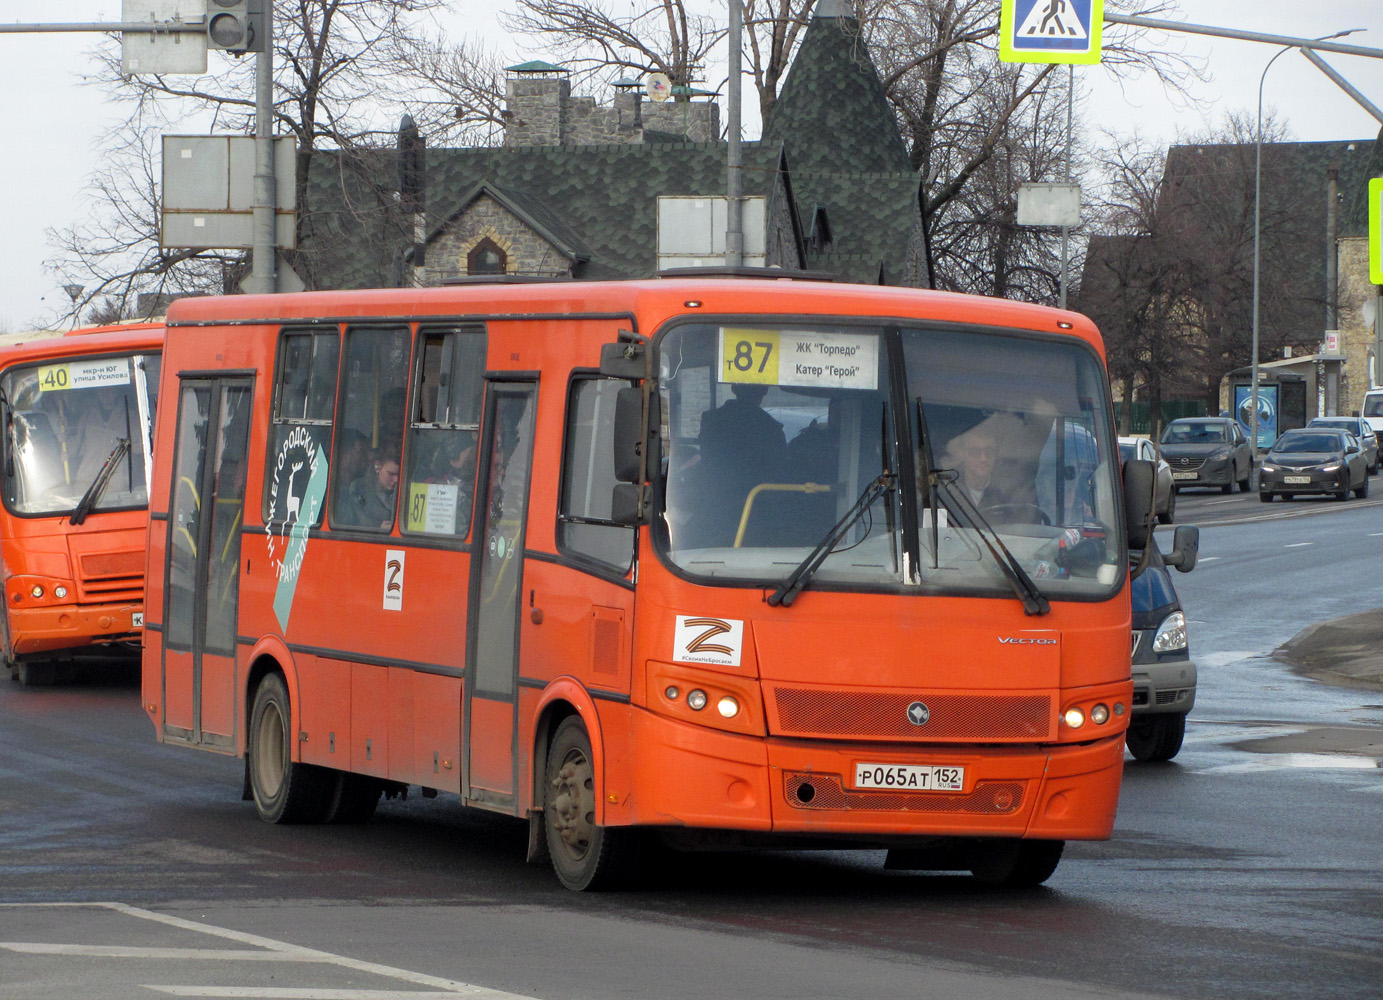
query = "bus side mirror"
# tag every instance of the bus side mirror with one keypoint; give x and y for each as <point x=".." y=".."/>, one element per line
<point x="631" y="442"/>
<point x="1186" y="544"/>
<point x="624" y="359"/>
<point x="1140" y="480"/>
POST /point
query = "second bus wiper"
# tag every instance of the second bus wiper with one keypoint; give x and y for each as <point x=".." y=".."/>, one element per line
<point x="1034" y="601"/>
<point x="799" y="578"/>
<point x="98" y="485"/>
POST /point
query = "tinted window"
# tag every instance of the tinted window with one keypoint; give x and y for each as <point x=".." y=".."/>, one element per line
<point x="589" y="476"/>
<point x="373" y="386"/>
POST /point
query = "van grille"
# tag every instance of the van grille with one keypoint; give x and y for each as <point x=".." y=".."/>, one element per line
<point x="110" y="576"/>
<point x="884" y="715"/>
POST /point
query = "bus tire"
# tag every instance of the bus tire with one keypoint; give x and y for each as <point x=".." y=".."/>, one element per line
<point x="585" y="855"/>
<point x="284" y="791"/>
<point x="354" y="798"/>
<point x="1015" y="864"/>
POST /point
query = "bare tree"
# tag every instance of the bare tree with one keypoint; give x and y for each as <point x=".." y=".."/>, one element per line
<point x="659" y="36"/>
<point x="335" y="74"/>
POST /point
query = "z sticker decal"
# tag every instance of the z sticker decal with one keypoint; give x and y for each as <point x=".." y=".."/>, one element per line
<point x="699" y="639"/>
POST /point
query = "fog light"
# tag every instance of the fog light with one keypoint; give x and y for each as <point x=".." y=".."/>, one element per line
<point x="37" y="591"/>
<point x="1075" y="718"/>
<point x="728" y="707"/>
<point x="1119" y="708"/>
<point x="1099" y="715"/>
<point x="672" y="692"/>
<point x="59" y="592"/>
<point x="696" y="700"/>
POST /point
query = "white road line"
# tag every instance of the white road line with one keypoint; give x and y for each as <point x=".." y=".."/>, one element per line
<point x="122" y="951"/>
<point x="283" y="951"/>
<point x="279" y="993"/>
<point x="1297" y="545"/>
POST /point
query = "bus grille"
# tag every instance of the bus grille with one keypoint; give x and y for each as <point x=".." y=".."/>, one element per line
<point x="110" y="576"/>
<point x="884" y="715"/>
<point x="805" y="790"/>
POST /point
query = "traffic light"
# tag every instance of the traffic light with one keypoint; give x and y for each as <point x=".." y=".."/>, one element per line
<point x="235" y="25"/>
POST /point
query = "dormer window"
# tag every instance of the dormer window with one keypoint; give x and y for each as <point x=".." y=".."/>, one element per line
<point x="486" y="257"/>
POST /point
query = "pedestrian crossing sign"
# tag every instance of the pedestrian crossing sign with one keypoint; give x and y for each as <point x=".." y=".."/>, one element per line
<point x="1376" y="230"/>
<point x="1050" y="31"/>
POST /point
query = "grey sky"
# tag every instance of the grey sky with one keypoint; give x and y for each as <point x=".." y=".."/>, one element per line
<point x="52" y="121"/>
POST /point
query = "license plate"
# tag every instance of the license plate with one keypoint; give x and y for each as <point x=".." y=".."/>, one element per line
<point x="1183" y="475"/>
<point x="1296" y="479"/>
<point x="137" y="619"/>
<point x="910" y="777"/>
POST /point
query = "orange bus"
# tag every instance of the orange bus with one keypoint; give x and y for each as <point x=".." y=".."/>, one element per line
<point x="677" y="562"/>
<point x="77" y="411"/>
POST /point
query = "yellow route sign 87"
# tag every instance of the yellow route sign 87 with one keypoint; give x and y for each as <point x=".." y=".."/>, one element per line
<point x="749" y="355"/>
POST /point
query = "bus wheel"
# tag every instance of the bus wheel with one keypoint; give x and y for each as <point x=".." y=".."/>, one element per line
<point x="354" y="798"/>
<point x="284" y="791"/>
<point x="584" y="854"/>
<point x="30" y="673"/>
<point x="1015" y="864"/>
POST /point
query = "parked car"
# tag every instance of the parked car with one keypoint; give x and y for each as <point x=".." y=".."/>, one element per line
<point x="1360" y="428"/>
<point x="1208" y="451"/>
<point x="1314" y="460"/>
<point x="1165" y="499"/>
<point x="1164" y="675"/>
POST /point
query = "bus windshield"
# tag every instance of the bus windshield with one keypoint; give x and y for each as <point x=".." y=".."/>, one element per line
<point x="65" y="424"/>
<point x="996" y="450"/>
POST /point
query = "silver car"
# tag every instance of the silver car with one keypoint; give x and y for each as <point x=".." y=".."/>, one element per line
<point x="1360" y="428"/>
<point x="1165" y="497"/>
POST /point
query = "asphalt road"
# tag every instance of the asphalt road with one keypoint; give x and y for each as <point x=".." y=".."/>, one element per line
<point x="1247" y="867"/>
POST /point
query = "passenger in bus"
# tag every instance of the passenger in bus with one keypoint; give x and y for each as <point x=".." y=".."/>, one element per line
<point x="741" y="446"/>
<point x="454" y="465"/>
<point x="353" y="455"/>
<point x="371" y="498"/>
<point x="993" y="469"/>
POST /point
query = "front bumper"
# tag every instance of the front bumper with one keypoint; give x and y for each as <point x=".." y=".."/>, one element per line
<point x="1214" y="472"/>
<point x="1272" y="483"/>
<point x="71" y="626"/>
<point x="694" y="777"/>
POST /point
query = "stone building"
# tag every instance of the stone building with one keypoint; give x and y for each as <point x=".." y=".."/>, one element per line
<point x="578" y="189"/>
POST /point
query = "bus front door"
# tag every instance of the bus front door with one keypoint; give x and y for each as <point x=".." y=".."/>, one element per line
<point x="203" y="561"/>
<point x="496" y="588"/>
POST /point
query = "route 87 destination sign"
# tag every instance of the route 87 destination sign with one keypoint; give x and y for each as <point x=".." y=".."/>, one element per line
<point x="1050" y="31"/>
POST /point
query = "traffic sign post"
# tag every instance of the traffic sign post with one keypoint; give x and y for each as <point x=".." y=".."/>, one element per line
<point x="1376" y="230"/>
<point x="1050" y="31"/>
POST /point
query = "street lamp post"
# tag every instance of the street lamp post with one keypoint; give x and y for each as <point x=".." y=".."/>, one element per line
<point x="1257" y="231"/>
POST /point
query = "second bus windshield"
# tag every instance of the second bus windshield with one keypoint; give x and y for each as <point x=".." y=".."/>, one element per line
<point x="773" y="433"/>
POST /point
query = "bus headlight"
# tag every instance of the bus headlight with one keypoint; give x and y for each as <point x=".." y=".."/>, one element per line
<point x="60" y="592"/>
<point x="37" y="592"/>
<point x="1075" y="718"/>
<point x="696" y="700"/>
<point x="728" y="707"/>
<point x="1099" y="714"/>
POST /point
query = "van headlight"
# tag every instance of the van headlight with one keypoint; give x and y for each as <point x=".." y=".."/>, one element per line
<point x="1171" y="634"/>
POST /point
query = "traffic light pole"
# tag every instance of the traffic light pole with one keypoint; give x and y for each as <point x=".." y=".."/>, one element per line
<point x="263" y="278"/>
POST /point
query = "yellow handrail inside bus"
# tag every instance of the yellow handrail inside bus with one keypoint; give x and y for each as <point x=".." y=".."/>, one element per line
<point x="771" y="488"/>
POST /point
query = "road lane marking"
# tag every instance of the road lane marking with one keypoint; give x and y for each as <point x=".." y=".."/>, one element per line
<point x="273" y="950"/>
<point x="123" y="951"/>
<point x="1297" y="545"/>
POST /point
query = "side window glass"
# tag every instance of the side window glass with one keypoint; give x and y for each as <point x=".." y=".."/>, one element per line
<point x="443" y="431"/>
<point x="300" y="429"/>
<point x="365" y="475"/>
<point x="588" y="477"/>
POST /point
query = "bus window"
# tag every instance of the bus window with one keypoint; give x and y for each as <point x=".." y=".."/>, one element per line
<point x="588" y="477"/>
<point x="373" y="384"/>
<point x="185" y="514"/>
<point x="304" y="393"/>
<point x="443" y="431"/>
<point x="68" y="420"/>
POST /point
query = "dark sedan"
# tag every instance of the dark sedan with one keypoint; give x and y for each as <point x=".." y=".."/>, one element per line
<point x="1314" y="460"/>
<point x="1208" y="451"/>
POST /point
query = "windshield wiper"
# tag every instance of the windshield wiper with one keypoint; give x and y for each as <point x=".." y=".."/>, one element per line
<point x="1034" y="602"/>
<point x="799" y="578"/>
<point x="98" y="485"/>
